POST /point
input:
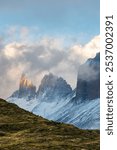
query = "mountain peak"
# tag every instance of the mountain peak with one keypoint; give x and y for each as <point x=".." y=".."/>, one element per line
<point x="49" y="80"/>
<point x="53" y="86"/>
<point x="25" y="82"/>
<point x="88" y="84"/>
<point x="26" y="89"/>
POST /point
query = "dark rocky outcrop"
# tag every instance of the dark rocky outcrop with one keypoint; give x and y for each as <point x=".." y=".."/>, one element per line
<point x="88" y="84"/>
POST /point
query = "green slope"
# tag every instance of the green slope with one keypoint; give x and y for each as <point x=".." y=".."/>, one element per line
<point x="21" y="130"/>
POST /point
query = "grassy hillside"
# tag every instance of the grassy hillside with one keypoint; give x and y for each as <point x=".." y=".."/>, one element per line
<point x="21" y="130"/>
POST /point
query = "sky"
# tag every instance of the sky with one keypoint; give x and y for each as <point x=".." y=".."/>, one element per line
<point x="42" y="36"/>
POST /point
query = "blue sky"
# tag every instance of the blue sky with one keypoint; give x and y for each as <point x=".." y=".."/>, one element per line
<point x="76" y="18"/>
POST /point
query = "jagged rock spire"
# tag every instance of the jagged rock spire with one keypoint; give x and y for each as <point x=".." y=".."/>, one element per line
<point x="25" y="82"/>
<point x="52" y="86"/>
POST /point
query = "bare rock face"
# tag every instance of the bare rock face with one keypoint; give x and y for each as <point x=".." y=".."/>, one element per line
<point x="88" y="84"/>
<point x="53" y="87"/>
<point x="26" y="88"/>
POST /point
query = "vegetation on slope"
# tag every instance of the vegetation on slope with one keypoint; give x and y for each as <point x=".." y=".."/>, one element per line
<point x="22" y="130"/>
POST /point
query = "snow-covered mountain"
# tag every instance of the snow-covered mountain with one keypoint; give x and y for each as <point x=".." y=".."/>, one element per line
<point x="55" y="99"/>
<point x="53" y="87"/>
<point x="25" y="97"/>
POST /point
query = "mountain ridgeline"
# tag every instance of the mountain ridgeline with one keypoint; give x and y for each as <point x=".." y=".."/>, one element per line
<point x="55" y="99"/>
<point x="22" y="130"/>
<point x="53" y="86"/>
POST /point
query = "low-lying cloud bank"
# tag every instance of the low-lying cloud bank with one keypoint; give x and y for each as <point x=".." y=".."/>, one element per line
<point x="36" y="58"/>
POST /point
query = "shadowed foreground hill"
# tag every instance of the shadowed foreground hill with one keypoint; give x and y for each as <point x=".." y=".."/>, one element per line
<point x="21" y="130"/>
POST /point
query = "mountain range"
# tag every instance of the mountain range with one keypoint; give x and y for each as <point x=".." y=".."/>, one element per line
<point x="55" y="100"/>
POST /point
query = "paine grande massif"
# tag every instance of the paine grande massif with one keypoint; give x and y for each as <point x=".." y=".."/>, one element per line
<point x="55" y="99"/>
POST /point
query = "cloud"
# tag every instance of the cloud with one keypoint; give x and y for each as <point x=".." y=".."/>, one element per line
<point x="86" y="51"/>
<point x="13" y="50"/>
<point x="88" y="72"/>
<point x="37" y="58"/>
